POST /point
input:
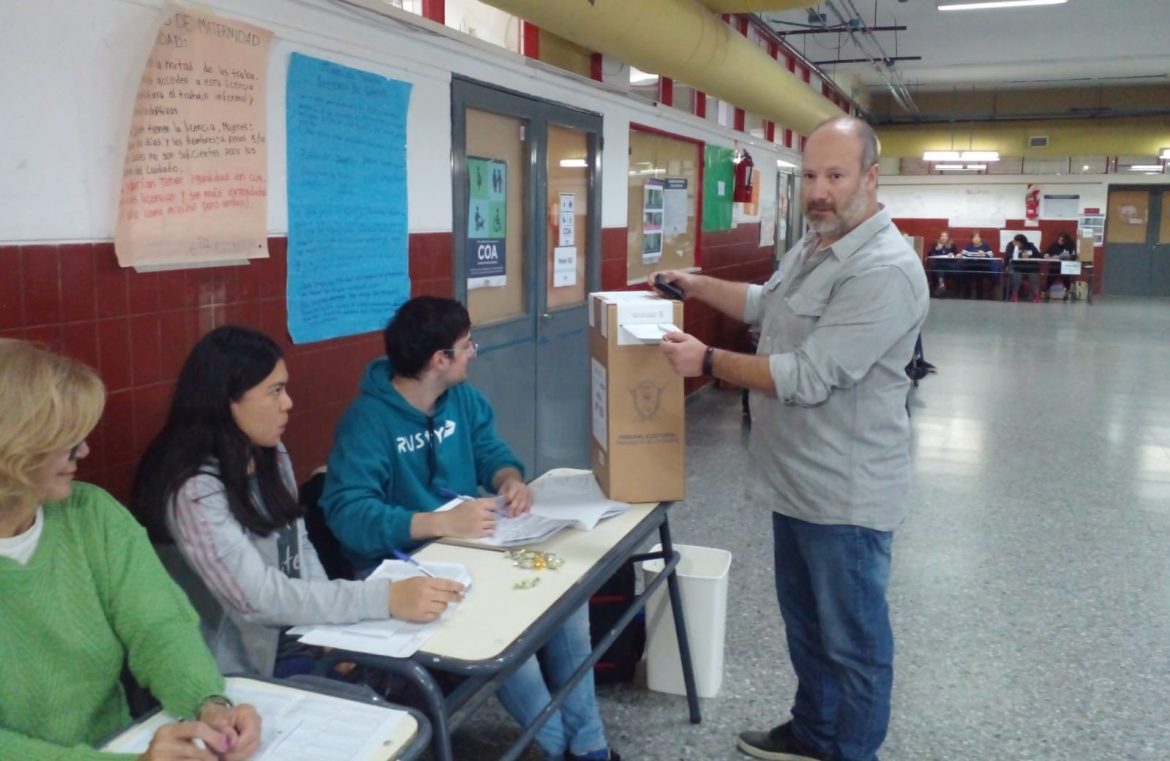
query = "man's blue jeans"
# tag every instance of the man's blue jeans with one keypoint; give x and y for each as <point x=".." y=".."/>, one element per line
<point x="577" y="726"/>
<point x="831" y="583"/>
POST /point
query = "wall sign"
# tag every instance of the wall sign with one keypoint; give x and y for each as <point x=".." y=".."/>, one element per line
<point x="487" y="222"/>
<point x="195" y="177"/>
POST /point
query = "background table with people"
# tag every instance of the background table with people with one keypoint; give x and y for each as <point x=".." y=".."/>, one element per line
<point x="966" y="270"/>
<point x="1026" y="267"/>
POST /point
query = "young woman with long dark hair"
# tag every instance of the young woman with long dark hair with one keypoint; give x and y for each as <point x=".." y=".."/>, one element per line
<point x="218" y="482"/>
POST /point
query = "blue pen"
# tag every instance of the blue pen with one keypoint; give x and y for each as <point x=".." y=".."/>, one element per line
<point x="407" y="558"/>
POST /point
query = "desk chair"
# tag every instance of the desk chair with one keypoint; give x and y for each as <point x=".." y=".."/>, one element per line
<point x="332" y="557"/>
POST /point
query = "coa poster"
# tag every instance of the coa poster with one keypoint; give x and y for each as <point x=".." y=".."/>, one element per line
<point x="652" y="214"/>
<point x="487" y="221"/>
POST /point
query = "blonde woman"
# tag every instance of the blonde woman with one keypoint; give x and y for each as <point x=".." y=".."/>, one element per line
<point x="82" y="592"/>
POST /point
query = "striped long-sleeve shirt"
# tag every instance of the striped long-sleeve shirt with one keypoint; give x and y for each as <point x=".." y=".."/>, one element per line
<point x="247" y="587"/>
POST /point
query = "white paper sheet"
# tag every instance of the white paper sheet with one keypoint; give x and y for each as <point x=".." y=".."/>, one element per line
<point x="565" y="265"/>
<point x="296" y="724"/>
<point x="578" y="498"/>
<point x="390" y="637"/>
<point x="647" y="332"/>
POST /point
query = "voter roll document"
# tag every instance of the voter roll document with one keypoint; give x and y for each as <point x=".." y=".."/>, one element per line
<point x="559" y="502"/>
<point x="297" y="724"/>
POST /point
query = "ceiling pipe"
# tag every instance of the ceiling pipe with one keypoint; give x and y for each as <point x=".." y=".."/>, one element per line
<point x="767" y="32"/>
<point x="882" y="62"/>
<point x="682" y="40"/>
<point x="879" y="62"/>
<point x="756" y="6"/>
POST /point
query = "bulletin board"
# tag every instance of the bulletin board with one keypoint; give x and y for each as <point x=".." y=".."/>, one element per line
<point x="718" y="181"/>
<point x="675" y="163"/>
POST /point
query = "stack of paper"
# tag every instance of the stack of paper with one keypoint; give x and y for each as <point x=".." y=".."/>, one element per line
<point x="577" y="497"/>
<point x="559" y="502"/>
<point x="391" y="637"/>
<point x="296" y="724"/>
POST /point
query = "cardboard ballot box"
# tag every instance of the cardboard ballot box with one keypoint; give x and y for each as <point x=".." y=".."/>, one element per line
<point x="1085" y="248"/>
<point x="639" y="427"/>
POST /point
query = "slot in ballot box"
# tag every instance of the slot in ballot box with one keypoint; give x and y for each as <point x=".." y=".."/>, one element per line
<point x="639" y="429"/>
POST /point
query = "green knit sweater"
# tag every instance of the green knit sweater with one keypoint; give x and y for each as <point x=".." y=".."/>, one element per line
<point x="92" y="594"/>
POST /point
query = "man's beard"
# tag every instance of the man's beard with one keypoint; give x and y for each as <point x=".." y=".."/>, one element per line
<point x="841" y="220"/>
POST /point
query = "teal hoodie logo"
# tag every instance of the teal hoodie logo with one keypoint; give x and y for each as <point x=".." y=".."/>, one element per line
<point x="421" y="439"/>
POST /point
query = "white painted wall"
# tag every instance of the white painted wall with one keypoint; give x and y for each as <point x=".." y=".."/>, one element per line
<point x="69" y="70"/>
<point x="988" y="200"/>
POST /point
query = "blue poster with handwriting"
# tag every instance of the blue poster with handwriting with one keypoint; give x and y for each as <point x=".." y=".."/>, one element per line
<point x="348" y="267"/>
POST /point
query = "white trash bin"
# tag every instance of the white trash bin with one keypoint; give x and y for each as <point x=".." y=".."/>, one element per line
<point x="702" y="580"/>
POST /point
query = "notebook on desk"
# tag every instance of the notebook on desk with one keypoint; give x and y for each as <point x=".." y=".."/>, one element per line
<point x="559" y="502"/>
<point x="299" y="723"/>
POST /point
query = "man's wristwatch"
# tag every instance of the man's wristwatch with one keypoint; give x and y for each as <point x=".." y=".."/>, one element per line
<point x="708" y="360"/>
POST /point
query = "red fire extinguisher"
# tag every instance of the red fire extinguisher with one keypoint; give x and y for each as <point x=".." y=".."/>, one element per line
<point x="1032" y="202"/>
<point x="743" y="178"/>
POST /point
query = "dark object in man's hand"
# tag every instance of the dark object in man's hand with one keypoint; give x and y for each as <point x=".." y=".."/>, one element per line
<point x="670" y="290"/>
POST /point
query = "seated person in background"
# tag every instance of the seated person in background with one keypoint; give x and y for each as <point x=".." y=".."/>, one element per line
<point x="1019" y="247"/>
<point x="218" y="483"/>
<point x="943" y="247"/>
<point x="1063" y="249"/>
<point x="82" y="593"/>
<point x="417" y="434"/>
<point x="976" y="247"/>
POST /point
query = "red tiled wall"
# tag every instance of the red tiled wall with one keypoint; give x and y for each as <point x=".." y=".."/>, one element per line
<point x="137" y="328"/>
<point x="733" y="255"/>
<point x="1049" y="229"/>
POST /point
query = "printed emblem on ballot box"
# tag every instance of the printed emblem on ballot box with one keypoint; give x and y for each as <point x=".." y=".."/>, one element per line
<point x="647" y="399"/>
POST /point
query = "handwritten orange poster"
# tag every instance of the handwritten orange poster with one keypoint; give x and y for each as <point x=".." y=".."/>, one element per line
<point x="194" y="184"/>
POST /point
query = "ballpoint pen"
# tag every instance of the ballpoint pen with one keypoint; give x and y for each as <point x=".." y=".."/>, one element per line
<point x="408" y="559"/>
<point x="446" y="493"/>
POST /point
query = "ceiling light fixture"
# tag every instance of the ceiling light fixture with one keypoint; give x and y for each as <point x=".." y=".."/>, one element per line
<point x="975" y="5"/>
<point x="1165" y="154"/>
<point x="573" y="164"/>
<point x="1145" y="168"/>
<point x="960" y="155"/>
<point x="960" y="167"/>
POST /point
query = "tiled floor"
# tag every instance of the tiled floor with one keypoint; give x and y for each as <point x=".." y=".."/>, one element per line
<point x="1031" y="582"/>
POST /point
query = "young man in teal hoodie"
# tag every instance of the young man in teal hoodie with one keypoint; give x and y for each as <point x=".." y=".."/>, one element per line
<point x="417" y="434"/>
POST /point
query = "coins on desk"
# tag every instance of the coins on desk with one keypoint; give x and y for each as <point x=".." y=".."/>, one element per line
<point x="534" y="560"/>
<point x="526" y="583"/>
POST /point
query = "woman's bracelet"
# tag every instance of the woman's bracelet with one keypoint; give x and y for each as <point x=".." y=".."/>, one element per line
<point x="219" y="700"/>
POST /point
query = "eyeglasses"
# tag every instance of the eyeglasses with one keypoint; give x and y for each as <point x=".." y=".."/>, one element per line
<point x="472" y="350"/>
